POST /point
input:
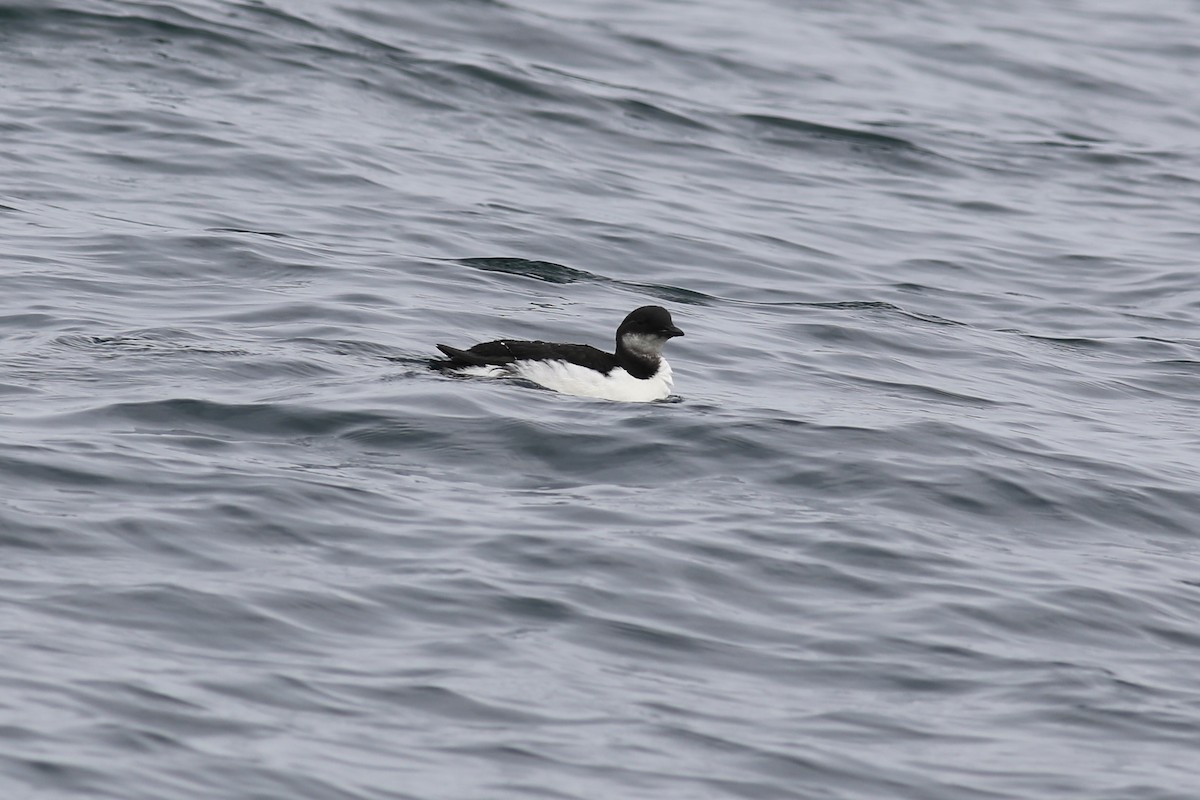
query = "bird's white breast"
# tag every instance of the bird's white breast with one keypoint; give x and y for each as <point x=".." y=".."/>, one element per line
<point x="568" y="378"/>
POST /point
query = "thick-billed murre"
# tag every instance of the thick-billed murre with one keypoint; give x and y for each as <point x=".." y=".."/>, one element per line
<point x="636" y="372"/>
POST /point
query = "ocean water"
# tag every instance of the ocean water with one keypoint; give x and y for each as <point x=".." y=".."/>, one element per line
<point x="921" y="522"/>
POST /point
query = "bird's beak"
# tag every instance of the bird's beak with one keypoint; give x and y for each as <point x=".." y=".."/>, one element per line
<point x="673" y="331"/>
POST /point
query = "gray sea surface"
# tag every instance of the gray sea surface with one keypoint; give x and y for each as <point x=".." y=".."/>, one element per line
<point x="921" y="522"/>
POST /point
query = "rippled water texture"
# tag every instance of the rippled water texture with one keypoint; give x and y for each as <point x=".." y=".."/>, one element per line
<point x="921" y="522"/>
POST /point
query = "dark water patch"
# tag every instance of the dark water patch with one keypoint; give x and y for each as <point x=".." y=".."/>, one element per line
<point x="539" y="270"/>
<point x="263" y="419"/>
<point x="271" y="234"/>
<point x="850" y="305"/>
<point x="536" y="608"/>
<point x="1077" y="80"/>
<point x="59" y="773"/>
<point x="673" y="294"/>
<point x="509" y="81"/>
<point x="34" y="530"/>
<point x="164" y="710"/>
<point x="164" y="538"/>
<point x="66" y="24"/>
<point x="281" y="691"/>
<point x="347" y="347"/>
<point x="829" y="131"/>
<point x="443" y="703"/>
<point x="402" y="435"/>
<point x="150" y="340"/>
<point x="644" y="110"/>
<point x="213" y="621"/>
<point x="631" y="638"/>
<point x="892" y="151"/>
<point x="194" y="260"/>
<point x="28" y="321"/>
<point x="31" y="463"/>
<point x="987" y="207"/>
<point x="165" y="130"/>
<point x="557" y="273"/>
<point x="549" y="553"/>
<point x="136" y="739"/>
<point x="315" y="315"/>
<point x="452" y="603"/>
<point x="884" y="560"/>
<point x="13" y="390"/>
<point x="1068" y="342"/>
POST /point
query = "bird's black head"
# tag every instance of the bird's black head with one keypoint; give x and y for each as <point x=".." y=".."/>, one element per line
<point x="641" y="337"/>
<point x="653" y="321"/>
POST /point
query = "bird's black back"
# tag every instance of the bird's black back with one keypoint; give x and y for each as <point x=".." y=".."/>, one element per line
<point x="506" y="351"/>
